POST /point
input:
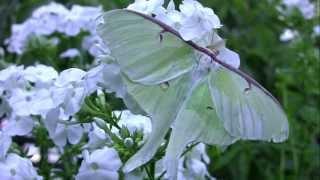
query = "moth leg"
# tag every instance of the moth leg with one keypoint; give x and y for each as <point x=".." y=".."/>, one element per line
<point x="209" y="107"/>
<point x="246" y="90"/>
<point x="165" y="85"/>
<point x="213" y="50"/>
<point x="161" y="34"/>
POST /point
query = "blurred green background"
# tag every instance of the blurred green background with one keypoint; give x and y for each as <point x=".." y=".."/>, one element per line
<point x="290" y="70"/>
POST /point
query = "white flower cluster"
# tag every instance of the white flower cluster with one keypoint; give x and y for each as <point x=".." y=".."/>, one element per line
<point x="54" y="17"/>
<point x="316" y="30"/>
<point x="194" y="164"/>
<point x="191" y="166"/>
<point x="39" y="91"/>
<point x="288" y="35"/>
<point x="100" y="164"/>
<point x="307" y="8"/>
<point x="134" y="122"/>
<point x="36" y="95"/>
<point x="16" y="167"/>
<point x="193" y="22"/>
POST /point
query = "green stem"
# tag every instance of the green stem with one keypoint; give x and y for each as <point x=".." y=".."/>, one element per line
<point x="150" y="175"/>
<point x="282" y="164"/>
<point x="189" y="149"/>
<point x="42" y="140"/>
<point x="44" y="166"/>
<point x="66" y="165"/>
<point x="152" y="169"/>
<point x="101" y="115"/>
<point x="291" y="140"/>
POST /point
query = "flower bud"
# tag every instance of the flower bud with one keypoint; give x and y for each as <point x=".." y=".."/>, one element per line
<point x="128" y="142"/>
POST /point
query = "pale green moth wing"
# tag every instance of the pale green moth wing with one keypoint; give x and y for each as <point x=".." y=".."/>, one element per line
<point x="156" y="69"/>
<point x="145" y="53"/>
<point x="247" y="112"/>
<point x="197" y="121"/>
<point x="112" y="82"/>
<point x="162" y="102"/>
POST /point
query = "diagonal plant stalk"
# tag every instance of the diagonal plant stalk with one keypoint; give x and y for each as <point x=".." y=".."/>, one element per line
<point x="167" y="28"/>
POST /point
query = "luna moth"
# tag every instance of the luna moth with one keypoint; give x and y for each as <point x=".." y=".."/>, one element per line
<point x="201" y="99"/>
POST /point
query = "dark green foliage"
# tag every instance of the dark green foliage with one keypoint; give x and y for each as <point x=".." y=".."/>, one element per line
<point x="291" y="72"/>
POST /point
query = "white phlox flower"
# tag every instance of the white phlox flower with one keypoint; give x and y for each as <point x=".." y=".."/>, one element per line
<point x="100" y="164"/>
<point x="26" y="91"/>
<point x="54" y="9"/>
<point x="93" y="78"/>
<point x="70" y="89"/>
<point x="11" y="77"/>
<point x="288" y="35"/>
<point x="67" y="133"/>
<point x="60" y="132"/>
<point x="146" y="6"/>
<point x="134" y="122"/>
<point x="40" y="91"/>
<point x="52" y="18"/>
<point x="197" y="20"/>
<point x="70" y="76"/>
<point x="19" y="35"/>
<point x="192" y="22"/>
<point x="17" y="168"/>
<point x="316" y="30"/>
<point x="97" y="137"/>
<point x="26" y="103"/>
<point x="17" y="125"/>
<point x="216" y="44"/>
<point x="194" y="164"/>
<point x="170" y="16"/>
<point x="86" y="16"/>
<point x="70" y="53"/>
<point x="191" y="166"/>
<point x="307" y="8"/>
<point x="230" y="57"/>
<point x="40" y="74"/>
<point x="5" y="143"/>
<point x="95" y="45"/>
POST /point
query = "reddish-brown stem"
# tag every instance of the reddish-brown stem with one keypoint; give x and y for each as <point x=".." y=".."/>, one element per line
<point x="206" y="51"/>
